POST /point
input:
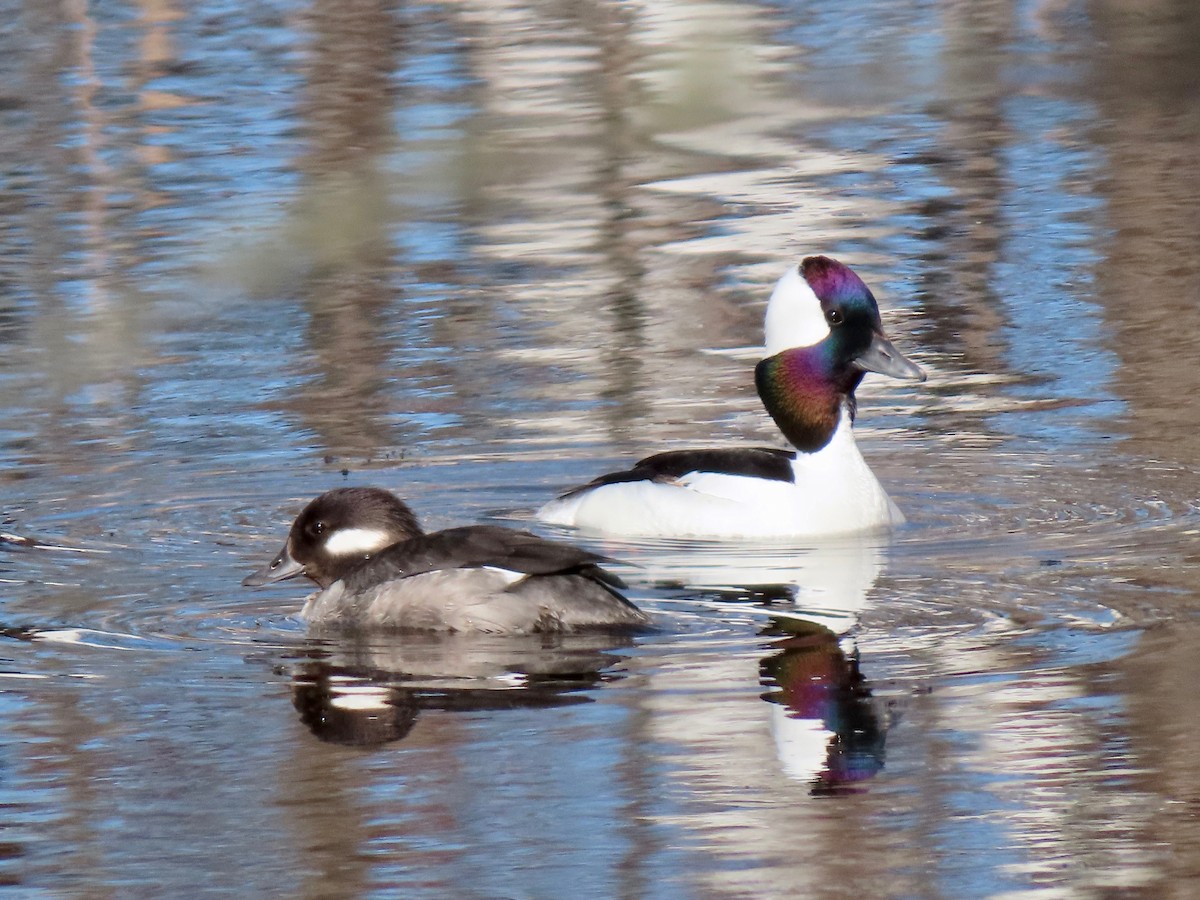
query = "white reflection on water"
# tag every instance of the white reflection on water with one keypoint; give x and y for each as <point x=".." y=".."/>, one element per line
<point x="827" y="583"/>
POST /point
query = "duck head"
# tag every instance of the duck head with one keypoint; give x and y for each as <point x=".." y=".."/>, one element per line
<point x="336" y="532"/>
<point x="823" y="333"/>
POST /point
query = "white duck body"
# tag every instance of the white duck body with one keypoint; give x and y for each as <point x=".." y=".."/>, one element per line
<point x="832" y="492"/>
<point x="822" y="333"/>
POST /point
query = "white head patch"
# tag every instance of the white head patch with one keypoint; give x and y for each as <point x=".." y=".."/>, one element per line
<point x="794" y="315"/>
<point x="357" y="541"/>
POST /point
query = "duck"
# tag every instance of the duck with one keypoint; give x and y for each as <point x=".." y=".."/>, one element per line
<point x="377" y="569"/>
<point x="823" y="333"/>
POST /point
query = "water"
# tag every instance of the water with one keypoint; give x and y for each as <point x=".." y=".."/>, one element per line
<point x="477" y="253"/>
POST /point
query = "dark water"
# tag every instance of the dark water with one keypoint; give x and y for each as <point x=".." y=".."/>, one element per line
<point x="477" y="252"/>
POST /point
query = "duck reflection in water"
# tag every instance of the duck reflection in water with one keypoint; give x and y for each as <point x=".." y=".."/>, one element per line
<point x="827" y="582"/>
<point x="477" y="617"/>
<point x="827" y="726"/>
<point x="829" y="729"/>
<point x="363" y="692"/>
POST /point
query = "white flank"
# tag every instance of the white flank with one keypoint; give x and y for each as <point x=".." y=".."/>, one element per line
<point x="794" y="315"/>
<point x="355" y="541"/>
<point x="510" y="577"/>
<point x="834" y="493"/>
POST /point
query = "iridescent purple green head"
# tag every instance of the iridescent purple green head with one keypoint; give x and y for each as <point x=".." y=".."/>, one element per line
<point x="803" y="386"/>
<point x="836" y="285"/>
<point x="803" y="389"/>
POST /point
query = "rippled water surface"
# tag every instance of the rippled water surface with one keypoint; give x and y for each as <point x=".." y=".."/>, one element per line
<point x="479" y="252"/>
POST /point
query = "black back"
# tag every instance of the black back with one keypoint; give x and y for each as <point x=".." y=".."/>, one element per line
<point x="476" y="546"/>
<point x="753" y="462"/>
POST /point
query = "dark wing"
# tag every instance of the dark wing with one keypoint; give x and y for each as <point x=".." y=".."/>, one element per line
<point x="754" y="462"/>
<point x="476" y="546"/>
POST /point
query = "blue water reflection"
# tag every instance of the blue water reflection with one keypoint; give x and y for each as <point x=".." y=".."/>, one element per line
<point x="1052" y="257"/>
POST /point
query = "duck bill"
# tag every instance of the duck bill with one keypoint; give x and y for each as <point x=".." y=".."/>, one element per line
<point x="278" y="569"/>
<point x="883" y="357"/>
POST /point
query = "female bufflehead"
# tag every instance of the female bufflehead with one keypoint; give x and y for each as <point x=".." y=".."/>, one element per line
<point x="377" y="569"/>
<point x="823" y="332"/>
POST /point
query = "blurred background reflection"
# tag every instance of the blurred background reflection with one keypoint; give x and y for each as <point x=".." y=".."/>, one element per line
<point x="477" y="252"/>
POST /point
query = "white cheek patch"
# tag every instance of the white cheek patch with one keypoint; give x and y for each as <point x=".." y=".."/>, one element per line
<point x="794" y="315"/>
<point x="356" y="541"/>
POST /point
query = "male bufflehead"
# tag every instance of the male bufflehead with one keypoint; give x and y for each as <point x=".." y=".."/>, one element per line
<point x="378" y="569"/>
<point x="823" y="332"/>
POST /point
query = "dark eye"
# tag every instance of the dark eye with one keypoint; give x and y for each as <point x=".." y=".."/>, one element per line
<point x="834" y="317"/>
<point x="316" y="529"/>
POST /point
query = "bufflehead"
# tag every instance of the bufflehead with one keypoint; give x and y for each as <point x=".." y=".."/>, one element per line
<point x="823" y="333"/>
<point x="378" y="569"/>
